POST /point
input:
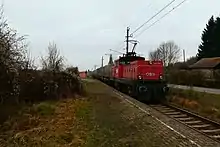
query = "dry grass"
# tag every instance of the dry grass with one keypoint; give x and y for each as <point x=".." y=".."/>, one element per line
<point x="46" y="124"/>
<point x="205" y="104"/>
<point x="99" y="119"/>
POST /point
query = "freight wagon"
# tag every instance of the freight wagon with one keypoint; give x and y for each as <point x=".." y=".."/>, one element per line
<point x="82" y="74"/>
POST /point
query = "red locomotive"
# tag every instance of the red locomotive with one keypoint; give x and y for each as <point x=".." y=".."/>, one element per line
<point x="135" y="76"/>
<point x="132" y="74"/>
<point x="139" y="69"/>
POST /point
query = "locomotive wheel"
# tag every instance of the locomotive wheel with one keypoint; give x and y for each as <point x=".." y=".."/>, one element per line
<point x="118" y="87"/>
<point x="130" y="91"/>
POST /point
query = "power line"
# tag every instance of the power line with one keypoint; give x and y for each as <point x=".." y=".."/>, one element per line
<point x="149" y="19"/>
<point x="161" y="18"/>
<point x="147" y="7"/>
<point x="153" y="16"/>
<point x="122" y="43"/>
<point x="119" y="46"/>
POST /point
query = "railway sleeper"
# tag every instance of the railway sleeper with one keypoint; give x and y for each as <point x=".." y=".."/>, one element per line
<point x="193" y="122"/>
<point x="180" y="116"/>
<point x="216" y="136"/>
<point x="211" y="131"/>
<point x="185" y="119"/>
<point x="198" y="126"/>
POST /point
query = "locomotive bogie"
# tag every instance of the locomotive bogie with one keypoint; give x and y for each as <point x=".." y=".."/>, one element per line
<point x="145" y="91"/>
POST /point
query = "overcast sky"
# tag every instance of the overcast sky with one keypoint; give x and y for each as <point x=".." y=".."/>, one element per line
<point x="84" y="30"/>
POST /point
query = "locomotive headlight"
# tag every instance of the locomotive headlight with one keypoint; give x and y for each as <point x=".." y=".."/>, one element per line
<point x="139" y="77"/>
<point x="161" y="77"/>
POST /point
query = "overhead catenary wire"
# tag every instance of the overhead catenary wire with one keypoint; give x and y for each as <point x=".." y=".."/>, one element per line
<point x="119" y="46"/>
<point x="150" y="19"/>
<point x="153" y="17"/>
<point x="147" y="7"/>
<point x="161" y="18"/>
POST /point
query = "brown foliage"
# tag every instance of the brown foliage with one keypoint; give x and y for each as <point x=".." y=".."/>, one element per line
<point x="186" y="102"/>
<point x="191" y="78"/>
<point x="12" y="51"/>
<point x="42" y="85"/>
<point x="72" y="70"/>
<point x="185" y="77"/>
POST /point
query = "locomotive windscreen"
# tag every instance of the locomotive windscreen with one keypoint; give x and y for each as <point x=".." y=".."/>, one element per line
<point x="127" y="60"/>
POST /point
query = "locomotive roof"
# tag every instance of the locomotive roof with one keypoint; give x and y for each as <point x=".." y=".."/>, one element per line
<point x="129" y="57"/>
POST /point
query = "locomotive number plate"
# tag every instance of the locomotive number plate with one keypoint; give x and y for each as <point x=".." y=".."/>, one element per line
<point x="150" y="74"/>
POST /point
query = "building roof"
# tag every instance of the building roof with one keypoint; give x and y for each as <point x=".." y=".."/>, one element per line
<point x="206" y="63"/>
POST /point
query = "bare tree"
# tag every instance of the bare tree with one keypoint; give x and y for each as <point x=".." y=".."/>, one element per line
<point x="154" y="55"/>
<point x="12" y="55"/>
<point x="29" y="62"/>
<point x="12" y="46"/>
<point x="54" y="61"/>
<point x="169" y="52"/>
<point x="191" y="60"/>
<point x="173" y="52"/>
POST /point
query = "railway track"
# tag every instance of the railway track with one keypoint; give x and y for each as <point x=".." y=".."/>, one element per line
<point x="194" y="121"/>
<point x="203" y="125"/>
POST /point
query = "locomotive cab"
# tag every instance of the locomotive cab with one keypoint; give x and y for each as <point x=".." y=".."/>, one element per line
<point x="130" y="57"/>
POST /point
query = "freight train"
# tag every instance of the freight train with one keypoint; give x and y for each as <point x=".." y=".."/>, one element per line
<point x="139" y="78"/>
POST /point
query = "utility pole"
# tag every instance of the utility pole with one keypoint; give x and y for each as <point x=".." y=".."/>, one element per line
<point x="127" y="39"/>
<point x="95" y="67"/>
<point x="102" y="65"/>
<point x="102" y="61"/>
<point x="184" y="56"/>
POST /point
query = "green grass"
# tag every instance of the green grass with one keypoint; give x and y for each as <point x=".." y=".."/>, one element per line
<point x="45" y="108"/>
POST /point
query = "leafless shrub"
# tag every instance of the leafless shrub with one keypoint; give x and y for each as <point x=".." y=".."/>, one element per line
<point x="186" y="77"/>
<point x="72" y="70"/>
<point x="12" y="50"/>
<point x="12" y="46"/>
<point x="169" y="52"/>
<point x="54" y="61"/>
<point x="28" y="62"/>
<point x="155" y="55"/>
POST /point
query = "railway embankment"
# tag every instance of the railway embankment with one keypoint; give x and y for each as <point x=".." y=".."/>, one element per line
<point x="202" y="103"/>
<point x="102" y="117"/>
